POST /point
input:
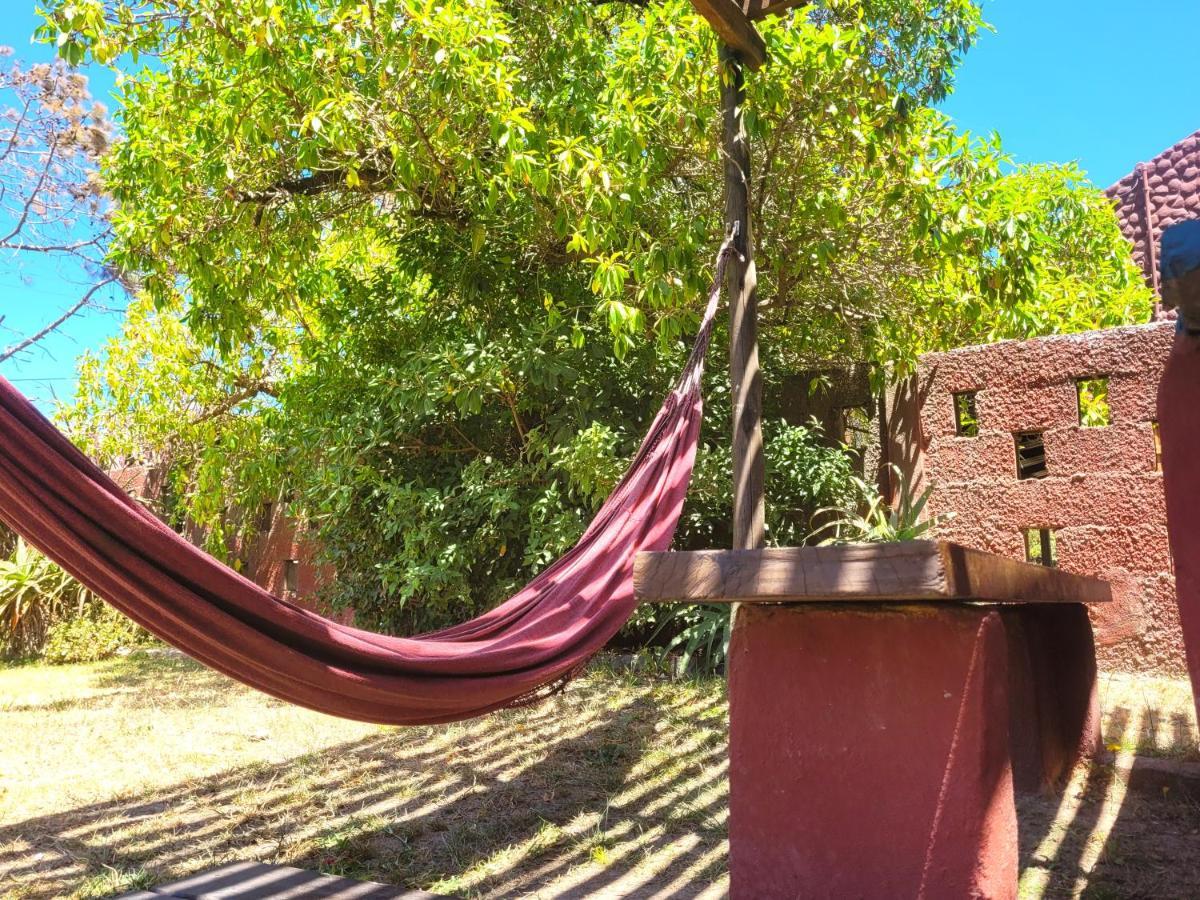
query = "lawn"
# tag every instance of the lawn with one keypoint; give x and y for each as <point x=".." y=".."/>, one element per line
<point x="134" y="771"/>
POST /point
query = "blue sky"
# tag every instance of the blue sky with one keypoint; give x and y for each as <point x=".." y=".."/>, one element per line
<point x="1108" y="83"/>
<point x="34" y="291"/>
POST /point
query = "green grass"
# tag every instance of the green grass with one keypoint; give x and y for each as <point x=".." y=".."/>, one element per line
<point x="127" y="773"/>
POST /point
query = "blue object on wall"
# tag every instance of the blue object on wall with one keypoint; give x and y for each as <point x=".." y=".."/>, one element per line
<point x="1180" y="250"/>
<point x="1179" y="267"/>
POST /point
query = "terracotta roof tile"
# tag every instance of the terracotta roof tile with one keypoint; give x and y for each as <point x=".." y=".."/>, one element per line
<point x="1168" y="188"/>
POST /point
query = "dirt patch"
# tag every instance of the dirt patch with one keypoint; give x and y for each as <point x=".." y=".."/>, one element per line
<point x="1098" y="840"/>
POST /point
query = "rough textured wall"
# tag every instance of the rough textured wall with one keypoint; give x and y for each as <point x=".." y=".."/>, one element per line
<point x="281" y="545"/>
<point x="1102" y="494"/>
<point x="145" y="483"/>
<point x="1156" y="195"/>
<point x="266" y="560"/>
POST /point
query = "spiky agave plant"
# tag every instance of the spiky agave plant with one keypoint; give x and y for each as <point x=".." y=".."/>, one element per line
<point x="702" y="643"/>
<point x="34" y="592"/>
<point x="879" y="521"/>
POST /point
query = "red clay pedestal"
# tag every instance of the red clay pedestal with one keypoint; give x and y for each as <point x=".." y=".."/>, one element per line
<point x="1054" y="706"/>
<point x="869" y="753"/>
<point x="1179" y="430"/>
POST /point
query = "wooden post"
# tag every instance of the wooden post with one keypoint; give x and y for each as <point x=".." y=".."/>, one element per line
<point x="745" y="378"/>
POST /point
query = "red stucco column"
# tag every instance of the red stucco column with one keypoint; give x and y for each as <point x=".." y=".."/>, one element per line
<point x="1053" y="692"/>
<point x="869" y="753"/>
<point x="1179" y="429"/>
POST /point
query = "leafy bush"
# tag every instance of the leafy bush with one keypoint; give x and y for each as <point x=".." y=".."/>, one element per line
<point x="703" y="638"/>
<point x="34" y="592"/>
<point x="98" y="633"/>
<point x="44" y="611"/>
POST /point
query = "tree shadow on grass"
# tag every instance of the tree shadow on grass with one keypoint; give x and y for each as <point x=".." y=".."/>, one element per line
<point x="617" y="788"/>
<point x="591" y="792"/>
<point x="1100" y="839"/>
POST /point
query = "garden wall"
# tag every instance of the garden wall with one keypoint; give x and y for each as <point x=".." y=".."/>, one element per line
<point x="1091" y="498"/>
<point x="281" y="559"/>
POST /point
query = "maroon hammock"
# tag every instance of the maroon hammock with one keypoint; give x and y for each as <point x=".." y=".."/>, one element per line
<point x="63" y="504"/>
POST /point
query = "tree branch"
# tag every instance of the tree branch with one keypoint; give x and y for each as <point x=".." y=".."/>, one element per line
<point x="28" y="342"/>
<point x="232" y="401"/>
<point x="316" y="183"/>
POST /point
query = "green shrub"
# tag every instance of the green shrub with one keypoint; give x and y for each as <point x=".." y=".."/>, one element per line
<point x="98" y="633"/>
<point x="46" y="612"/>
<point x="805" y="477"/>
<point x="880" y="522"/>
<point x="34" y="593"/>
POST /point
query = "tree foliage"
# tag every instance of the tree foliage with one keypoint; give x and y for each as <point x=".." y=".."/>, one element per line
<point x="431" y="266"/>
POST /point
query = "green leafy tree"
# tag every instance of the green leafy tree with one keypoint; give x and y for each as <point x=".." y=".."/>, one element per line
<point x="157" y="396"/>
<point x="458" y="249"/>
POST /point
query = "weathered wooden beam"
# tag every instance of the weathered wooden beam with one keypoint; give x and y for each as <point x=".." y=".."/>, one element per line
<point x="760" y="9"/>
<point x="744" y="375"/>
<point x="732" y="27"/>
<point x="900" y="572"/>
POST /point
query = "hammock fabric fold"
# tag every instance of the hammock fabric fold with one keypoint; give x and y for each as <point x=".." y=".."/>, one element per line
<point x="63" y="504"/>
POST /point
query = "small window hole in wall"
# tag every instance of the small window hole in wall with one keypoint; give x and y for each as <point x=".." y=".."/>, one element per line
<point x="856" y="427"/>
<point x="1093" y="402"/>
<point x="1157" y="447"/>
<point x="1041" y="547"/>
<point x="966" y="415"/>
<point x="1031" y="455"/>
<point x="291" y="576"/>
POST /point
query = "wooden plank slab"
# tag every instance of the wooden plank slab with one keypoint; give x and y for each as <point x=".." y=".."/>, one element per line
<point x="732" y="26"/>
<point x="906" y="571"/>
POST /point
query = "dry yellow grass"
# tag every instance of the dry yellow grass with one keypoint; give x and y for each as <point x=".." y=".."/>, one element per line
<point x="131" y="772"/>
<point x="1149" y="716"/>
<point x="126" y="773"/>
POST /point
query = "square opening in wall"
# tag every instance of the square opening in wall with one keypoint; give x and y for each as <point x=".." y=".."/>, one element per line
<point x="291" y="576"/>
<point x="1041" y="547"/>
<point x="1093" y="402"/>
<point x="966" y="418"/>
<point x="1031" y="455"/>
<point x="856" y="427"/>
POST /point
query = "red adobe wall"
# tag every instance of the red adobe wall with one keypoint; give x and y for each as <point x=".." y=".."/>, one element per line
<point x="142" y="482"/>
<point x="1102" y="495"/>
<point x="266" y="560"/>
